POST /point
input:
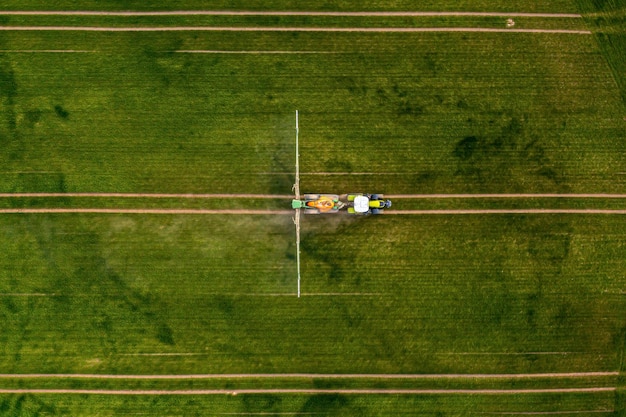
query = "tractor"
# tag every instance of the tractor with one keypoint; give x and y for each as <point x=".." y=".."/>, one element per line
<point x="367" y="203"/>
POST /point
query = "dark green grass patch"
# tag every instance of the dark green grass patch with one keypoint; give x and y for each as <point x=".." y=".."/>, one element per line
<point x="309" y="382"/>
<point x="218" y="203"/>
<point x="335" y="405"/>
<point x="508" y="204"/>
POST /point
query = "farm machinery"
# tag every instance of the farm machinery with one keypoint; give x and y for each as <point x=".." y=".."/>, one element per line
<point x="356" y="203"/>
<point x="367" y="203"/>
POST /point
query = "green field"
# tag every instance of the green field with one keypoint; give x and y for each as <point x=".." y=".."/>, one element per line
<point x="399" y="113"/>
<point x="556" y="6"/>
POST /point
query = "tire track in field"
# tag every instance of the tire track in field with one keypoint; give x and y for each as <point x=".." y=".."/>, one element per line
<point x="284" y="29"/>
<point x="313" y="376"/>
<point x="182" y="51"/>
<point x="47" y="51"/>
<point x="290" y="196"/>
<point x="487" y="196"/>
<point x="503" y="211"/>
<point x="279" y="13"/>
<point x="307" y="391"/>
<point x="140" y="211"/>
<point x="291" y="212"/>
<point x="143" y="195"/>
<point x="251" y="52"/>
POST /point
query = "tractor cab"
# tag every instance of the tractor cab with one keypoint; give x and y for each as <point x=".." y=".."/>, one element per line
<point x="367" y="203"/>
<point x="361" y="204"/>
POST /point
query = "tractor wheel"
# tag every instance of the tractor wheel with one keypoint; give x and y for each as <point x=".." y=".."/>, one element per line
<point x="311" y="197"/>
<point x="377" y="196"/>
<point x="377" y="211"/>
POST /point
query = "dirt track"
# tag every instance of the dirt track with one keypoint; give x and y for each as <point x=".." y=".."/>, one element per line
<point x="313" y="376"/>
<point x="283" y="29"/>
<point x="289" y="196"/>
<point x="486" y="196"/>
<point x="142" y="195"/>
<point x="276" y="13"/>
<point x="504" y="211"/>
<point x="139" y="211"/>
<point x="286" y="212"/>
<point x="307" y="391"/>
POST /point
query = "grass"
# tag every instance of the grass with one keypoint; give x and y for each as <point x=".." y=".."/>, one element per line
<point x="562" y="23"/>
<point x="322" y="404"/>
<point x="561" y="6"/>
<point x="450" y="113"/>
<point x="126" y="281"/>
<point x="488" y="133"/>
<point x="606" y="18"/>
